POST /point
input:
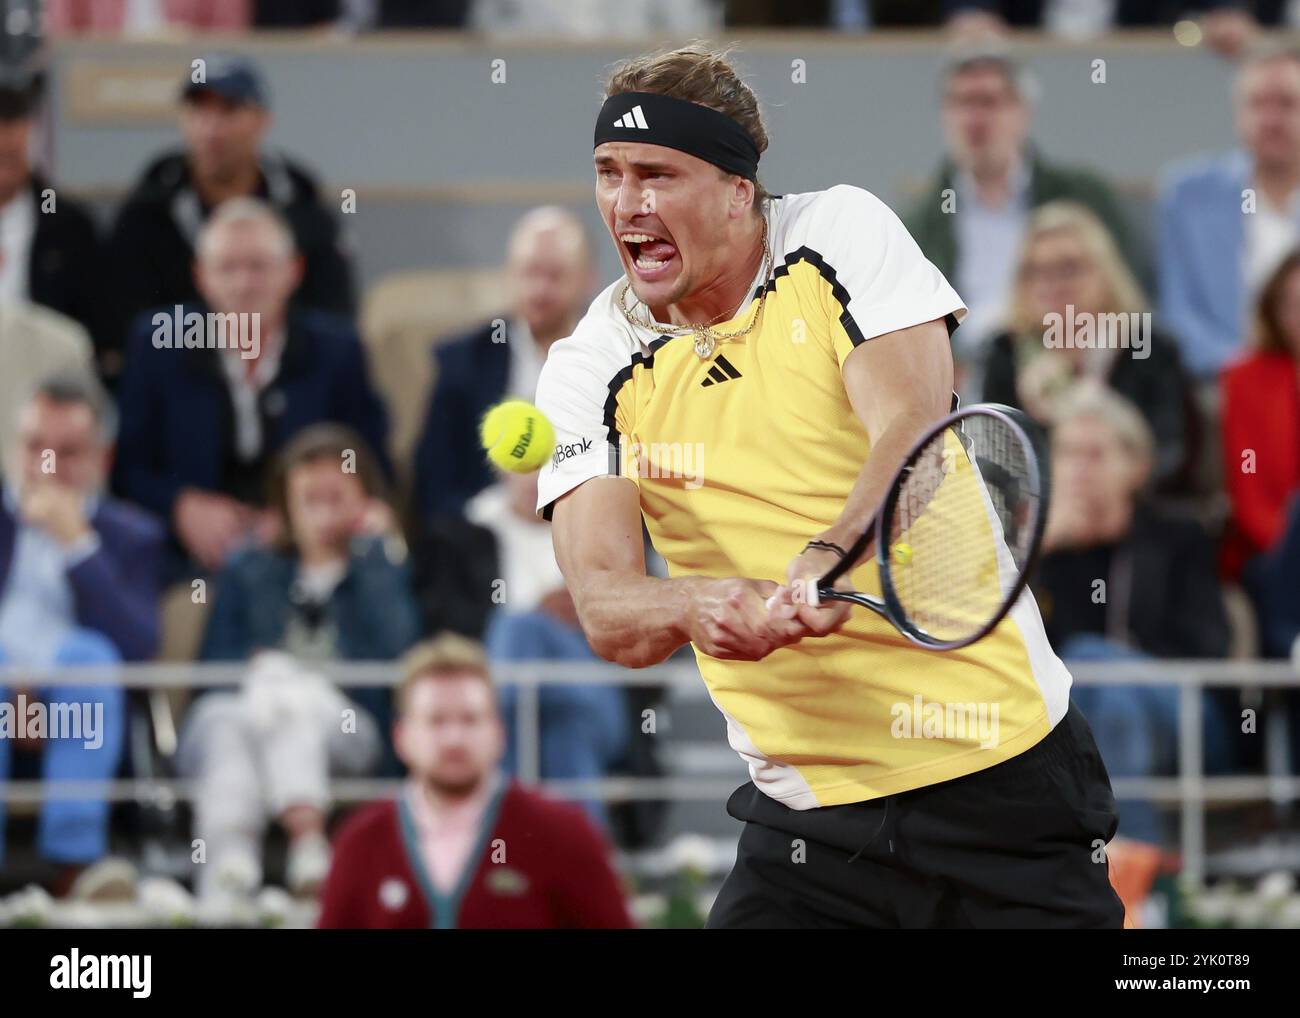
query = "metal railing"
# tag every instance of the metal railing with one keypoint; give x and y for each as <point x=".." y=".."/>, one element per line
<point x="1190" y="789"/>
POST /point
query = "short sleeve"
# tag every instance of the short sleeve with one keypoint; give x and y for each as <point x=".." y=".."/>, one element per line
<point x="879" y="281"/>
<point x="576" y="393"/>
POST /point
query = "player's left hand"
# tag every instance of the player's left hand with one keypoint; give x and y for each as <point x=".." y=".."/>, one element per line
<point x="793" y="599"/>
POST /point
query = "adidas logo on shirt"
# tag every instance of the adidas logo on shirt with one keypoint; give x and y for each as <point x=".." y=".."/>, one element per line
<point x="634" y="118"/>
<point x="722" y="371"/>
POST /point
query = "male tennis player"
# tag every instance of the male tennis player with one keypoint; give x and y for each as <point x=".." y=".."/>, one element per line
<point x="749" y="389"/>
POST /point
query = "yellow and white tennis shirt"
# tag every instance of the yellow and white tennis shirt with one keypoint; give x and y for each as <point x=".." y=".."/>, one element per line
<point x="742" y="458"/>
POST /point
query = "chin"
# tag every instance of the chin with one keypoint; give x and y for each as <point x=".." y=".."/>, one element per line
<point x="657" y="293"/>
<point x="457" y="781"/>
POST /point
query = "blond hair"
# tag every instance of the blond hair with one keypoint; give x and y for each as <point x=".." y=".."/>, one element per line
<point x="443" y="655"/>
<point x="1099" y="402"/>
<point x="1123" y="293"/>
<point x="237" y="212"/>
<point x="698" y="74"/>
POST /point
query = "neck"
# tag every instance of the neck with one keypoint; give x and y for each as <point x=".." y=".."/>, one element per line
<point x="718" y="300"/>
<point x="269" y="337"/>
<point x="545" y="337"/>
<point x="1111" y="520"/>
<point x="213" y="189"/>
<point x="441" y="797"/>
<point x="1278" y="181"/>
<point x="993" y="180"/>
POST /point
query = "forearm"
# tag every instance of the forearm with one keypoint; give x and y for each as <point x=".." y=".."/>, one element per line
<point x="887" y="453"/>
<point x="615" y="607"/>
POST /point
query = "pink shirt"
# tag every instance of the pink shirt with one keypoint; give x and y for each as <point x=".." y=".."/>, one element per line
<point x="448" y="832"/>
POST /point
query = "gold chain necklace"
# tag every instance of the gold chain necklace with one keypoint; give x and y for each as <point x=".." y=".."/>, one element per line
<point x="706" y="339"/>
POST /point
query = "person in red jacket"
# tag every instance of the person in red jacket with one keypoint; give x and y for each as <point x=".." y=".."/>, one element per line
<point x="1261" y="420"/>
<point x="463" y="847"/>
<point x="1261" y="449"/>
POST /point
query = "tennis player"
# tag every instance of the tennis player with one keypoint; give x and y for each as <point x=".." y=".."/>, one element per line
<point x="749" y="389"/>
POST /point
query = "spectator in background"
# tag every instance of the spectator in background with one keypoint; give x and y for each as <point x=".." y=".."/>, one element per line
<point x="1119" y="581"/>
<point x="35" y="344"/>
<point x="970" y="218"/>
<point x="1261" y="463"/>
<point x="335" y="586"/>
<point x="549" y="275"/>
<point x="1225" y="222"/>
<point x="128" y="18"/>
<point x="49" y="251"/>
<point x="431" y="857"/>
<point x="1069" y="272"/>
<point x="583" y="726"/>
<point x="199" y="425"/>
<point x="1228" y="24"/>
<point x="224" y="120"/>
<point x="79" y="583"/>
<point x="563" y="18"/>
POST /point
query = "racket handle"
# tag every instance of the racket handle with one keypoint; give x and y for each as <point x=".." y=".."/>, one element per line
<point x="853" y="597"/>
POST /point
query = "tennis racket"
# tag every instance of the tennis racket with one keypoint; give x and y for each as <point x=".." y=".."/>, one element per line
<point x="958" y="531"/>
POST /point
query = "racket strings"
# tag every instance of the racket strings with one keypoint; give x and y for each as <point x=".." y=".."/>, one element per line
<point x="960" y="530"/>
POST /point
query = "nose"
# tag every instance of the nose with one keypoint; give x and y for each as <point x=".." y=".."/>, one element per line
<point x="629" y="201"/>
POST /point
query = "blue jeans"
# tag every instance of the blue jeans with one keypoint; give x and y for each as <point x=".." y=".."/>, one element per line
<point x="75" y="830"/>
<point x="583" y="727"/>
<point x="1136" y="728"/>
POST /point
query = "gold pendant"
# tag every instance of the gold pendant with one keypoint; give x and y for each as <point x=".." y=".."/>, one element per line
<point x="704" y="344"/>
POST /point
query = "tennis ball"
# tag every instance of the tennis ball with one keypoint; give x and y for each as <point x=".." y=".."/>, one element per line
<point x="516" y="436"/>
<point x="902" y="553"/>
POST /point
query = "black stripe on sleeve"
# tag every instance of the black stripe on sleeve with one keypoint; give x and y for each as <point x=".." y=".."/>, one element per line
<point x="611" y="410"/>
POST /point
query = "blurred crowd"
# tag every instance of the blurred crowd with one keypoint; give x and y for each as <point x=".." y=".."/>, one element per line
<point x="244" y="504"/>
<point x="1226" y="25"/>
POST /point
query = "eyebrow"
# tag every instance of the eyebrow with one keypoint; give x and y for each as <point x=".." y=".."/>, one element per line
<point x="636" y="163"/>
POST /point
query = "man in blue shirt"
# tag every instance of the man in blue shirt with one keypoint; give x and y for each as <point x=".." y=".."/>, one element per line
<point x="78" y="587"/>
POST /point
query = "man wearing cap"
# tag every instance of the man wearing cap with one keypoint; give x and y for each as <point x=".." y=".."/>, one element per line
<point x="749" y="389"/>
<point x="224" y="118"/>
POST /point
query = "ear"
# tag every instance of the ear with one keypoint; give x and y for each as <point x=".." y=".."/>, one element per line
<point x="742" y="197"/>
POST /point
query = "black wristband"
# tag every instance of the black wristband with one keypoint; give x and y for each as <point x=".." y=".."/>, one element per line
<point x="826" y="546"/>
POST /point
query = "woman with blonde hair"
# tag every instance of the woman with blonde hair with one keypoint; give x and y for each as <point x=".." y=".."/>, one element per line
<point x="1076" y="313"/>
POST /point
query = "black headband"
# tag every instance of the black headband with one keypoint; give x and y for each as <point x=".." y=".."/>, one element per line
<point x="676" y="123"/>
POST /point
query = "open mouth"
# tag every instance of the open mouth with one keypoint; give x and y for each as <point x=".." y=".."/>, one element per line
<point x="650" y="255"/>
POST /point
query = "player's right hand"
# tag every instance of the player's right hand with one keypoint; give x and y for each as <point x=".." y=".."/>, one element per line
<point x="795" y="600"/>
<point x="730" y="620"/>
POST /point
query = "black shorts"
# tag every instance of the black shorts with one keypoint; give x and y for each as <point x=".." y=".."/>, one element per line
<point x="1017" y="845"/>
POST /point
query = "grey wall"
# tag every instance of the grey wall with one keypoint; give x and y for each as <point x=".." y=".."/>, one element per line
<point x="443" y="159"/>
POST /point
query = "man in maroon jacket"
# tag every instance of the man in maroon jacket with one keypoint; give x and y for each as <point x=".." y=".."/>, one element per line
<point x="462" y="847"/>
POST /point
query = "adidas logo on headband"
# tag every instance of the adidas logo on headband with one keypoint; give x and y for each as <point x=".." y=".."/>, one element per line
<point x="681" y="124"/>
<point x="633" y="119"/>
